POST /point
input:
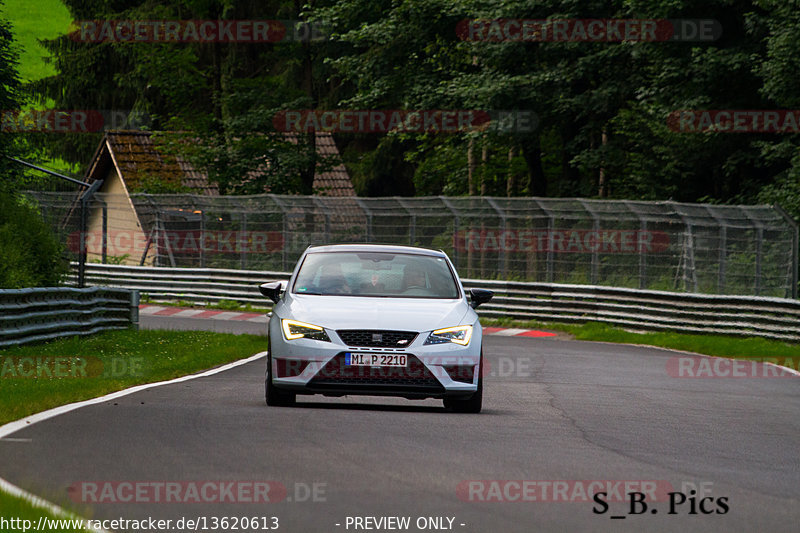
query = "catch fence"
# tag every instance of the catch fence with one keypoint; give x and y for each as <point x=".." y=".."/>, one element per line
<point x="697" y="248"/>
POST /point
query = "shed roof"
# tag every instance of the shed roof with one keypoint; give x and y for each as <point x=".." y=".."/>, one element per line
<point x="137" y="157"/>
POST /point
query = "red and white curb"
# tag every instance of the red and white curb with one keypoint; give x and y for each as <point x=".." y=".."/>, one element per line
<point x="514" y="332"/>
<point x="178" y="312"/>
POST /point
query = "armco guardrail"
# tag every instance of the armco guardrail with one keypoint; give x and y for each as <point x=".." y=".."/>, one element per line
<point x="39" y="314"/>
<point x="774" y="318"/>
<point x="199" y="285"/>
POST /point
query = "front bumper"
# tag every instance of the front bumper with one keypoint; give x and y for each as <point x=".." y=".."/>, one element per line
<point x="306" y="366"/>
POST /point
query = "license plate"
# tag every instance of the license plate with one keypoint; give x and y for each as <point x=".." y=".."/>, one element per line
<point x="375" y="359"/>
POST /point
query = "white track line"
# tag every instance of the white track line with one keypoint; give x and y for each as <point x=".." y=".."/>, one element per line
<point x="225" y="316"/>
<point x="28" y="421"/>
<point x="509" y="332"/>
<point x="186" y="313"/>
<point x="784" y="368"/>
<point x="41" y="503"/>
<point x="150" y="309"/>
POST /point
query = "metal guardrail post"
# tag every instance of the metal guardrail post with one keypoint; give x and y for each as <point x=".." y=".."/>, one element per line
<point x="135" y="309"/>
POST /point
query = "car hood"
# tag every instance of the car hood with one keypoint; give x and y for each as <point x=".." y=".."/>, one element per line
<point x="354" y="312"/>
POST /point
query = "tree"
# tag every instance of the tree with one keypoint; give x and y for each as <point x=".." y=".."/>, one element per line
<point x="30" y="255"/>
<point x="222" y="94"/>
<point x="9" y="103"/>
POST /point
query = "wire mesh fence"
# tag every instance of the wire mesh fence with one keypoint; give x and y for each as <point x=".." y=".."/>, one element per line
<point x="745" y="250"/>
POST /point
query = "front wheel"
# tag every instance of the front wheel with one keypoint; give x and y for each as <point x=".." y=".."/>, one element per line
<point x="472" y="404"/>
<point x="276" y="397"/>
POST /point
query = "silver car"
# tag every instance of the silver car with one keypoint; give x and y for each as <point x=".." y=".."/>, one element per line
<point x="375" y="320"/>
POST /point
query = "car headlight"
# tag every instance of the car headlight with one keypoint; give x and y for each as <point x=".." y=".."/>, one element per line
<point x="458" y="334"/>
<point x="293" y="329"/>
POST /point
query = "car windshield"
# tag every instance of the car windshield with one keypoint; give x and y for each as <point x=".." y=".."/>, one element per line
<point x="378" y="274"/>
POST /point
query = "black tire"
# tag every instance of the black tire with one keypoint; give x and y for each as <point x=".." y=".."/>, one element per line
<point x="474" y="403"/>
<point x="276" y="397"/>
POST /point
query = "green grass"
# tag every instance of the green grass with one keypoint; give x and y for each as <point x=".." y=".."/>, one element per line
<point x="720" y="345"/>
<point x="109" y="362"/>
<point x="32" y="20"/>
<point x="13" y="507"/>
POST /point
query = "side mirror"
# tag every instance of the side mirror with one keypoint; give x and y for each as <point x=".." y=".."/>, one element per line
<point x="273" y="290"/>
<point x="479" y="296"/>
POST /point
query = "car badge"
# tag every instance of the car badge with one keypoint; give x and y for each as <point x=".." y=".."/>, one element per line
<point x="402" y="341"/>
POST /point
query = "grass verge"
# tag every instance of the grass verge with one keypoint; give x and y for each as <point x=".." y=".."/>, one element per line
<point x="39" y="377"/>
<point x="20" y="510"/>
<point x="750" y="348"/>
<point x="33" y="20"/>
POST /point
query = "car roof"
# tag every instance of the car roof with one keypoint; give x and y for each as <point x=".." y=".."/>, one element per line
<point x="388" y="248"/>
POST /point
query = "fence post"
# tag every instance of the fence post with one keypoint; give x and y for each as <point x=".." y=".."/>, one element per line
<point x="243" y="245"/>
<point x="795" y="244"/>
<point x="105" y="233"/>
<point x="85" y="198"/>
<point x="759" y="253"/>
<point x="643" y="258"/>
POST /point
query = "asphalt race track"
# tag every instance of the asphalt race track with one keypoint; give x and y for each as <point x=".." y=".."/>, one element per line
<point x="557" y="413"/>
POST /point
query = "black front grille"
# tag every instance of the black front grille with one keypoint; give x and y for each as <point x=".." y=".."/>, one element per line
<point x="414" y="376"/>
<point x="377" y="338"/>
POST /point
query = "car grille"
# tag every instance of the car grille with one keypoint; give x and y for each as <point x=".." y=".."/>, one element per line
<point x="377" y="338"/>
<point x="415" y="375"/>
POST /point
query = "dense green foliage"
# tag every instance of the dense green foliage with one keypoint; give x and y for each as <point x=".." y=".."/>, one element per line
<point x="9" y="100"/>
<point x="602" y="107"/>
<point x="30" y="254"/>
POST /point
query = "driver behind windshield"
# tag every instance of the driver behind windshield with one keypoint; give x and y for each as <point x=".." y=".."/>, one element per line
<point x="332" y="280"/>
<point x="414" y="278"/>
